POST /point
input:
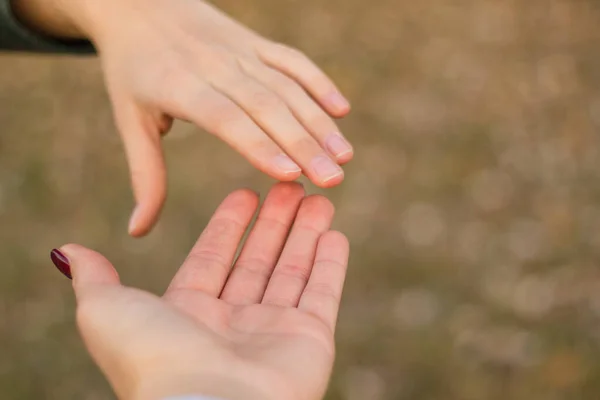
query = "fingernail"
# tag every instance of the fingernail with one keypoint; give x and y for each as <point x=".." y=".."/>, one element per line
<point x="338" y="101"/>
<point x="61" y="262"/>
<point x="325" y="168"/>
<point x="133" y="220"/>
<point x="337" y="145"/>
<point x="286" y="164"/>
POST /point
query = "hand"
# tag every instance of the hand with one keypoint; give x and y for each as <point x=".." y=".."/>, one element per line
<point x="166" y="59"/>
<point x="263" y="330"/>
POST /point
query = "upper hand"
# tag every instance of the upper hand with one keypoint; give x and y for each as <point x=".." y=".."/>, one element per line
<point x="166" y="59"/>
<point x="262" y="330"/>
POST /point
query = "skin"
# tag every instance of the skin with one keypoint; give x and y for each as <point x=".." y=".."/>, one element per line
<point x="262" y="329"/>
<point x="184" y="59"/>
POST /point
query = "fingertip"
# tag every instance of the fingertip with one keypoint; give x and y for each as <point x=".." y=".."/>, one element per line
<point x="319" y="204"/>
<point x="72" y="251"/>
<point x="246" y="193"/>
<point x="61" y="262"/>
<point x="345" y="158"/>
<point x="325" y="172"/>
<point x="84" y="266"/>
<point x="244" y="197"/>
<point x="284" y="168"/>
<point x="336" y="104"/>
<point x="335" y="238"/>
<point x="138" y="231"/>
<point x="330" y="182"/>
<point x="143" y="219"/>
<point x="286" y="177"/>
<point x="133" y="222"/>
<point x="340" y="112"/>
<point x="284" y="195"/>
<point x="289" y="188"/>
<point x="317" y="209"/>
<point x="145" y="215"/>
<point x="139" y="224"/>
<point x="339" y="147"/>
<point x="71" y="248"/>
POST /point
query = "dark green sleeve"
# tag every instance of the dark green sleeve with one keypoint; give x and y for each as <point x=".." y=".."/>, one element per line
<point x="14" y="36"/>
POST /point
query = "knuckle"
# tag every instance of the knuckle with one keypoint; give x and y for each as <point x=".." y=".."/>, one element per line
<point x="338" y="238"/>
<point x="265" y="101"/>
<point x="171" y="78"/>
<point x="323" y="291"/>
<point x="207" y="257"/>
<point x="290" y="51"/>
<point x="279" y="301"/>
<point x="285" y="85"/>
<point x="224" y="227"/>
<point x="320" y="209"/>
<point x="222" y="116"/>
<point x="225" y="114"/>
<point x="272" y="224"/>
<point x="305" y="144"/>
<point x="329" y="263"/>
<point x="294" y="270"/>
<point x="259" y="150"/>
<point x="259" y="266"/>
<point x="308" y="228"/>
<point x="220" y="64"/>
<point x="320" y="122"/>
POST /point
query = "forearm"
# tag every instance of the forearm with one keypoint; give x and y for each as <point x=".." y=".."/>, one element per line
<point x="48" y="17"/>
<point x="41" y="26"/>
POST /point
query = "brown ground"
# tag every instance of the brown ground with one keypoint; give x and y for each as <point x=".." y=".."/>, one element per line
<point x="473" y="204"/>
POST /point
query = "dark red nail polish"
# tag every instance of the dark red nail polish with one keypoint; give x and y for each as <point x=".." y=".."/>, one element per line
<point x="61" y="262"/>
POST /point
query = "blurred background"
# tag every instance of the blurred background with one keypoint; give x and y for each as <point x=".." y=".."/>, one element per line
<point x="472" y="206"/>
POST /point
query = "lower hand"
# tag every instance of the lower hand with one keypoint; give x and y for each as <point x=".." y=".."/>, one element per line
<point x="262" y="330"/>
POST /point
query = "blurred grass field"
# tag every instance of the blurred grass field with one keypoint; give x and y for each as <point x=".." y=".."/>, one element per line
<point x="472" y="206"/>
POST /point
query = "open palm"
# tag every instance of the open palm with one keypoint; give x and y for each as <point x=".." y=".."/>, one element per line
<point x="260" y="330"/>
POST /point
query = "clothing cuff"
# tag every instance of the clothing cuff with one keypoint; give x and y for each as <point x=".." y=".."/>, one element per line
<point x="192" y="398"/>
<point x="15" y="36"/>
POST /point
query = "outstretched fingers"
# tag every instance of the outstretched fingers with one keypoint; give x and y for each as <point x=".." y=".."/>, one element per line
<point x="299" y="67"/>
<point x="210" y="109"/>
<point x="296" y="261"/>
<point x="253" y="268"/>
<point x="208" y="264"/>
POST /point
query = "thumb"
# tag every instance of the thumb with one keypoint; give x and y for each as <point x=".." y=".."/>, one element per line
<point x="141" y="138"/>
<point x="87" y="268"/>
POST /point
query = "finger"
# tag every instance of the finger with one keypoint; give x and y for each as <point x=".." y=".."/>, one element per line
<point x="275" y="118"/>
<point x="88" y="268"/>
<point x="300" y="68"/>
<point x="323" y="292"/>
<point x="120" y="326"/>
<point x="207" y="266"/>
<point x="249" y="277"/>
<point x="213" y="111"/>
<point x="304" y="108"/>
<point x="294" y="266"/>
<point x="141" y="137"/>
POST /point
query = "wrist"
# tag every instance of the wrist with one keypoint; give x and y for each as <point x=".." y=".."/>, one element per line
<point x="64" y="19"/>
<point x="217" y="387"/>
